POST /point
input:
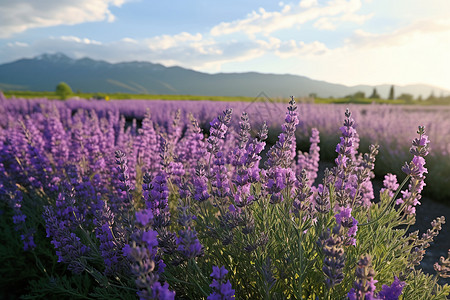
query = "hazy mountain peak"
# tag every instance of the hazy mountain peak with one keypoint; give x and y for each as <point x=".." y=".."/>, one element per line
<point x="53" y="57"/>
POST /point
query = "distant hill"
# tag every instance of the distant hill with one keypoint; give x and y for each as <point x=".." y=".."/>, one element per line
<point x="44" y="72"/>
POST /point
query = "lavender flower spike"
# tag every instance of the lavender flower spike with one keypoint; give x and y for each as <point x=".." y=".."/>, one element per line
<point x="345" y="219"/>
<point x="416" y="170"/>
<point x="188" y="244"/>
<point x="221" y="290"/>
<point x="283" y="152"/>
<point x="334" y="257"/>
<point x="442" y="267"/>
<point x="346" y="148"/>
<point x="364" y="286"/>
<point x="393" y="291"/>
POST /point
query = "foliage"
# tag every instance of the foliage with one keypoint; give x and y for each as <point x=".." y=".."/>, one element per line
<point x="406" y="97"/>
<point x="374" y="94"/>
<point x="63" y="90"/>
<point x="391" y="93"/>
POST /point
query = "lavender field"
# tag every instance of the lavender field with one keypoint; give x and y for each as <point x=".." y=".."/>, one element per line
<point x="214" y="200"/>
<point x="386" y="125"/>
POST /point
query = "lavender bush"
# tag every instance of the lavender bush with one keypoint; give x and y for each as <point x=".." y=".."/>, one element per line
<point x="92" y="208"/>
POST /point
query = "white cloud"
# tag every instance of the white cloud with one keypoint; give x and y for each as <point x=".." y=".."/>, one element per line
<point x="19" y="16"/>
<point x="308" y="3"/>
<point x="292" y="48"/>
<point x="400" y="36"/>
<point x="331" y="23"/>
<point x="17" y="44"/>
<point x="170" y="41"/>
<point x="264" y="22"/>
<point x="325" y="24"/>
<point x="78" y="40"/>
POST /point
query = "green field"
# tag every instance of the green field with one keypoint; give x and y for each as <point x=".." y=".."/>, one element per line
<point x="53" y="95"/>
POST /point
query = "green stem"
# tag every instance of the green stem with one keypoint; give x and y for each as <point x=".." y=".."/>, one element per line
<point x="193" y="262"/>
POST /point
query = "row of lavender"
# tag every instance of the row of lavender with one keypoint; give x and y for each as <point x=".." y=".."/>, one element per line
<point x="153" y="210"/>
<point x="386" y="125"/>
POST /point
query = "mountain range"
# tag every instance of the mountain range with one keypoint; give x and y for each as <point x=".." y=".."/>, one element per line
<point x="44" y="72"/>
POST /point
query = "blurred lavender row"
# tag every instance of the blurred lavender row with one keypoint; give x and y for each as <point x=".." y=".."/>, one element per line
<point x="387" y="125"/>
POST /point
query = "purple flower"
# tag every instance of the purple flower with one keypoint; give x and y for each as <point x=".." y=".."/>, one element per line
<point x="345" y="219"/>
<point x="442" y="267"/>
<point x="150" y="238"/>
<point x="200" y="184"/>
<point x="218" y="173"/>
<point x="419" y="163"/>
<point x="416" y="170"/>
<point x="28" y="240"/>
<point x="162" y="292"/>
<point x="283" y="152"/>
<point x="60" y="223"/>
<point x="146" y="144"/>
<point x="222" y="290"/>
<point x="144" y="216"/>
<point x="278" y="179"/>
<point x="364" y="285"/>
<point x="334" y="256"/>
<point x="390" y="184"/>
<point x="302" y="194"/>
<point x="419" y="149"/>
<point x="109" y="249"/>
<point x="393" y="291"/>
<point x="19" y="222"/>
<point x="188" y="244"/>
<point x="156" y="195"/>
<point x="310" y="160"/>
<point x="146" y="265"/>
<point x="346" y="149"/>
<point x="219" y="127"/>
<point x="191" y="148"/>
<point x="219" y="177"/>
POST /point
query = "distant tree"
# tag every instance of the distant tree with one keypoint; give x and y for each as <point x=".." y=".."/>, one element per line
<point x="359" y="95"/>
<point x="375" y="94"/>
<point x="63" y="90"/>
<point x="406" y="97"/>
<point x="312" y="95"/>
<point x="419" y="98"/>
<point x="391" y="93"/>
<point x="431" y="97"/>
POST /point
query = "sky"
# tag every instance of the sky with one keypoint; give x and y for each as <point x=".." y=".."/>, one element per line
<point x="340" y="41"/>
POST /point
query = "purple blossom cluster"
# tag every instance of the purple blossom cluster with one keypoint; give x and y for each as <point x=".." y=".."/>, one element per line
<point x="188" y="244"/>
<point x="364" y="286"/>
<point x="19" y="218"/>
<point x="309" y="161"/>
<point x="416" y="169"/>
<point x="145" y="265"/>
<point x="332" y="244"/>
<point x="345" y="219"/>
<point x="222" y="289"/>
